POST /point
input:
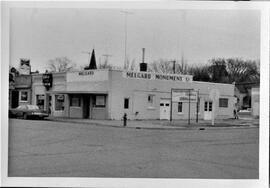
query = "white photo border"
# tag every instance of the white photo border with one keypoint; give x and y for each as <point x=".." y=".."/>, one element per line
<point x="135" y="182"/>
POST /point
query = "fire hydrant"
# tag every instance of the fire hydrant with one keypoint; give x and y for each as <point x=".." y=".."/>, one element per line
<point x="125" y="119"/>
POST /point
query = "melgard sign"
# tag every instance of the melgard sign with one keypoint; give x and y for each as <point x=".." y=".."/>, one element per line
<point x="157" y="76"/>
<point x="87" y="76"/>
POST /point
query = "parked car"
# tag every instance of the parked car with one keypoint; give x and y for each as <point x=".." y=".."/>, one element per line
<point x="28" y="111"/>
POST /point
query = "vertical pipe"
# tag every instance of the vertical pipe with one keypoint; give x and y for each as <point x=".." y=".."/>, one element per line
<point x="143" y="53"/>
<point x="174" y="67"/>
<point x="197" y="107"/>
<point x="189" y="106"/>
<point x="171" y="107"/>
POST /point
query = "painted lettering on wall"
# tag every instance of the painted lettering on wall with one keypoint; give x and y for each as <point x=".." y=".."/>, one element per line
<point x="84" y="73"/>
<point x="184" y="96"/>
<point x="87" y="76"/>
<point x="155" y="76"/>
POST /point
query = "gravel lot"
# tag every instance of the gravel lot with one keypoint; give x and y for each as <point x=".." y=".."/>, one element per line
<point x="56" y="149"/>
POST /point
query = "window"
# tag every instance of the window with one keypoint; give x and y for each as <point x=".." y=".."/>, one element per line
<point x="150" y="99"/>
<point x="59" y="102"/>
<point x="210" y="106"/>
<point x="223" y="102"/>
<point x="99" y="101"/>
<point x="75" y="101"/>
<point x="24" y="96"/>
<point x="126" y="103"/>
<point x="40" y="101"/>
<point x="205" y="106"/>
<point x="161" y="104"/>
<point x="167" y="104"/>
<point x="180" y="107"/>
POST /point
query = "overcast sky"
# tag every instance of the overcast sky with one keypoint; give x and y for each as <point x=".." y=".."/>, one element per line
<point x="43" y="34"/>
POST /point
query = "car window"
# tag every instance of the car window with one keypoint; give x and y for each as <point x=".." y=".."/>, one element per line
<point x="22" y="107"/>
<point x="32" y="107"/>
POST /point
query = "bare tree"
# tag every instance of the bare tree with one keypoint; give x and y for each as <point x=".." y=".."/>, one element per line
<point x="182" y="68"/>
<point x="160" y="66"/>
<point x="166" y="66"/>
<point x="130" y="65"/>
<point x="104" y="65"/>
<point x="61" y="64"/>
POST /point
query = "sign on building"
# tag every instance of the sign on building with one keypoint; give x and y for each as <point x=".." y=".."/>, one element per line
<point x="25" y="68"/>
<point x="184" y="96"/>
<point x="157" y="76"/>
<point x="88" y="76"/>
<point x="47" y="80"/>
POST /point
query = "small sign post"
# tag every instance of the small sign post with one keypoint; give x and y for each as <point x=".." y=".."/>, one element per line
<point x="214" y="95"/>
<point x="197" y="109"/>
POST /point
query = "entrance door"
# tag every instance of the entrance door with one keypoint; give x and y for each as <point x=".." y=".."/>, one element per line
<point x="86" y="106"/>
<point x="15" y="99"/>
<point x="165" y="109"/>
<point x="208" y="105"/>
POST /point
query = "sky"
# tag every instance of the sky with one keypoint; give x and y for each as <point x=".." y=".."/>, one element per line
<point x="41" y="34"/>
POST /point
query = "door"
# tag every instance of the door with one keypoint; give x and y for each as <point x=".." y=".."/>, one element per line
<point x="165" y="109"/>
<point x="15" y="99"/>
<point x="208" y="106"/>
<point x="86" y="106"/>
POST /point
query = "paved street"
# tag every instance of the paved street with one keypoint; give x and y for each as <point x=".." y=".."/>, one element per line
<point x="61" y="149"/>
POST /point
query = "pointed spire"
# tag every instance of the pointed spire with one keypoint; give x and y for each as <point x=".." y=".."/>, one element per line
<point x="93" y="64"/>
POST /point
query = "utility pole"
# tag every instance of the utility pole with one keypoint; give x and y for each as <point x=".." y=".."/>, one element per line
<point x="126" y="13"/>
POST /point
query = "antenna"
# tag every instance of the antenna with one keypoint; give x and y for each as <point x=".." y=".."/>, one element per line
<point x="107" y="57"/>
<point x="126" y="13"/>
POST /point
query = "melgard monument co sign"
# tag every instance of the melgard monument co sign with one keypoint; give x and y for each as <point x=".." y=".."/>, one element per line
<point x="157" y="76"/>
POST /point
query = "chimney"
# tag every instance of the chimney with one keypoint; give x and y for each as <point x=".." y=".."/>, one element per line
<point x="143" y="65"/>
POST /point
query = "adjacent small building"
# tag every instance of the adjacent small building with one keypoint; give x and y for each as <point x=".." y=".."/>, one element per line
<point x="20" y="90"/>
<point x="108" y="94"/>
<point x="255" y="101"/>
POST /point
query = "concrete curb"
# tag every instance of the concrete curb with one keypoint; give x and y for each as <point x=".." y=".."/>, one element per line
<point x="157" y="128"/>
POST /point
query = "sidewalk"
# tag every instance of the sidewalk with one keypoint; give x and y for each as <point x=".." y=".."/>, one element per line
<point x="164" y="124"/>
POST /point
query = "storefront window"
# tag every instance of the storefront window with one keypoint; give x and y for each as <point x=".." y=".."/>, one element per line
<point x="59" y="102"/>
<point x="99" y="101"/>
<point x="75" y="101"/>
<point x="223" y="102"/>
<point x="40" y="101"/>
<point x="24" y="96"/>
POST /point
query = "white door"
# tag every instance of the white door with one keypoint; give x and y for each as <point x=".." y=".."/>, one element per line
<point x="165" y="109"/>
<point x="208" y="106"/>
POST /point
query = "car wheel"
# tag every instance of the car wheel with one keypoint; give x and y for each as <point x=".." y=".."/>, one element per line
<point x="24" y="116"/>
